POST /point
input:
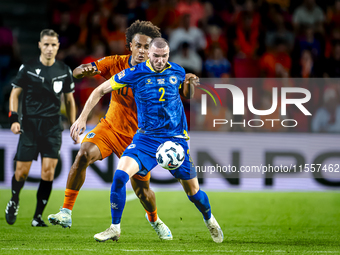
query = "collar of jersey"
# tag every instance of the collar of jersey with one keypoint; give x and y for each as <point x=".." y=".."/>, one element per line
<point x="149" y="65"/>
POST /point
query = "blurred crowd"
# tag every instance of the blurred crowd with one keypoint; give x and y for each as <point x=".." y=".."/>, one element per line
<point x="215" y="39"/>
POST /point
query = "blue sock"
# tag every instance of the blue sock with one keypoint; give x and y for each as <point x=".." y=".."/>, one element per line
<point x="201" y="200"/>
<point x="118" y="195"/>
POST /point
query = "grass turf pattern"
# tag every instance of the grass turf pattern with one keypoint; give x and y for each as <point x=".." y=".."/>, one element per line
<point x="253" y="223"/>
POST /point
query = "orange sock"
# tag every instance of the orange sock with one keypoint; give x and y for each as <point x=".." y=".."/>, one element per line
<point x="70" y="198"/>
<point x="152" y="216"/>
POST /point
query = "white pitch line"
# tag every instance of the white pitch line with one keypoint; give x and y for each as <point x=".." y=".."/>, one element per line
<point x="131" y="197"/>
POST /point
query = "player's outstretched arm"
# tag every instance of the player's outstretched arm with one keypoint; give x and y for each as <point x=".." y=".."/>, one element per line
<point x="85" y="70"/>
<point x="188" y="88"/>
<point x="13" y="108"/>
<point x="79" y="125"/>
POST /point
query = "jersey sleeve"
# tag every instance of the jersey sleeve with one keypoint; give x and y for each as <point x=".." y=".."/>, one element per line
<point x="68" y="86"/>
<point x="20" y="79"/>
<point x="181" y="77"/>
<point x="103" y="65"/>
<point x="128" y="77"/>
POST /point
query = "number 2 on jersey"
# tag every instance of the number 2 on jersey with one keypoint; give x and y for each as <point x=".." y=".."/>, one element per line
<point x="161" y="89"/>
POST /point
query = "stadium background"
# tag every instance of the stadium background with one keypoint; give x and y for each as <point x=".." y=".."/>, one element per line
<point x="241" y="39"/>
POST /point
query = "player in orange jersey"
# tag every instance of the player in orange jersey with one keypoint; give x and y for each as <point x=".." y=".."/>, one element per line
<point x="115" y="131"/>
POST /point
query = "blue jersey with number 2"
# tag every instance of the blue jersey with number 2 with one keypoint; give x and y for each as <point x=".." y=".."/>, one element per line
<point x="159" y="107"/>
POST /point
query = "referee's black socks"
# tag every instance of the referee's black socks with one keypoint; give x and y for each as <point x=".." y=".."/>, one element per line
<point x="43" y="194"/>
<point x="16" y="187"/>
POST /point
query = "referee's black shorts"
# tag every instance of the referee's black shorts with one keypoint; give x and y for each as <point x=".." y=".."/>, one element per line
<point x="41" y="135"/>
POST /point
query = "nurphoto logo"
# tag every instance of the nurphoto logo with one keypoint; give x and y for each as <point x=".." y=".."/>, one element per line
<point x="239" y="105"/>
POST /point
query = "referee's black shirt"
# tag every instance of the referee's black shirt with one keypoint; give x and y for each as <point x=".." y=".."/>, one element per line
<point x="42" y="86"/>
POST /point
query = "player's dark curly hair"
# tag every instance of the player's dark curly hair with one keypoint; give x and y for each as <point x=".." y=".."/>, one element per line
<point x="143" y="28"/>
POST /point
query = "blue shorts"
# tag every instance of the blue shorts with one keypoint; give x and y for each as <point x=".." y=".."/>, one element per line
<point x="143" y="149"/>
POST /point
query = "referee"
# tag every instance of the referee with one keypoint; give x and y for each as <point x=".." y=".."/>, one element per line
<point x="42" y="80"/>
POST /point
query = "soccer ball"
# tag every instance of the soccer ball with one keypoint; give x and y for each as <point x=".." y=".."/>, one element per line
<point x="170" y="155"/>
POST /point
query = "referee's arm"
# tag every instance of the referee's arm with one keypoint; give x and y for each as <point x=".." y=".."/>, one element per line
<point x="70" y="107"/>
<point x="13" y="108"/>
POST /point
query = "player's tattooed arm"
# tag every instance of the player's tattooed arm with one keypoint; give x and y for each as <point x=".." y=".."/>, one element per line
<point x="188" y="87"/>
<point x="79" y="125"/>
<point x="85" y="70"/>
<point x="13" y="108"/>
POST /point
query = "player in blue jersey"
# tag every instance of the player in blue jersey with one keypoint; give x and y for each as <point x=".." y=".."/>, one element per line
<point x="156" y="85"/>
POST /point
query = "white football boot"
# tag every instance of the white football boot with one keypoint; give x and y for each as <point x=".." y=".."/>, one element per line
<point x="113" y="233"/>
<point x="62" y="218"/>
<point x="161" y="229"/>
<point x="215" y="229"/>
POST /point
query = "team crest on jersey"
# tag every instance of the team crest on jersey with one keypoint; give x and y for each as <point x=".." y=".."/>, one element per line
<point x="90" y="135"/>
<point x="148" y="81"/>
<point x="173" y="79"/>
<point x="121" y="74"/>
<point x="57" y="86"/>
<point x="132" y="69"/>
<point x="131" y="146"/>
<point x="160" y="81"/>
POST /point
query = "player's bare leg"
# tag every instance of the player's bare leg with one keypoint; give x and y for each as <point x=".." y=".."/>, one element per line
<point x="201" y="201"/>
<point x="191" y="187"/>
<point x="88" y="154"/>
<point x="148" y="199"/>
<point x="146" y="195"/>
<point x="18" y="181"/>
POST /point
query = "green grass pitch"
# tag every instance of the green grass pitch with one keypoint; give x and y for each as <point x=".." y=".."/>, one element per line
<point x="253" y="223"/>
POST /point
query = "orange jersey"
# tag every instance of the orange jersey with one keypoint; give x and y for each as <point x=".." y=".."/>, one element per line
<point x="122" y="112"/>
